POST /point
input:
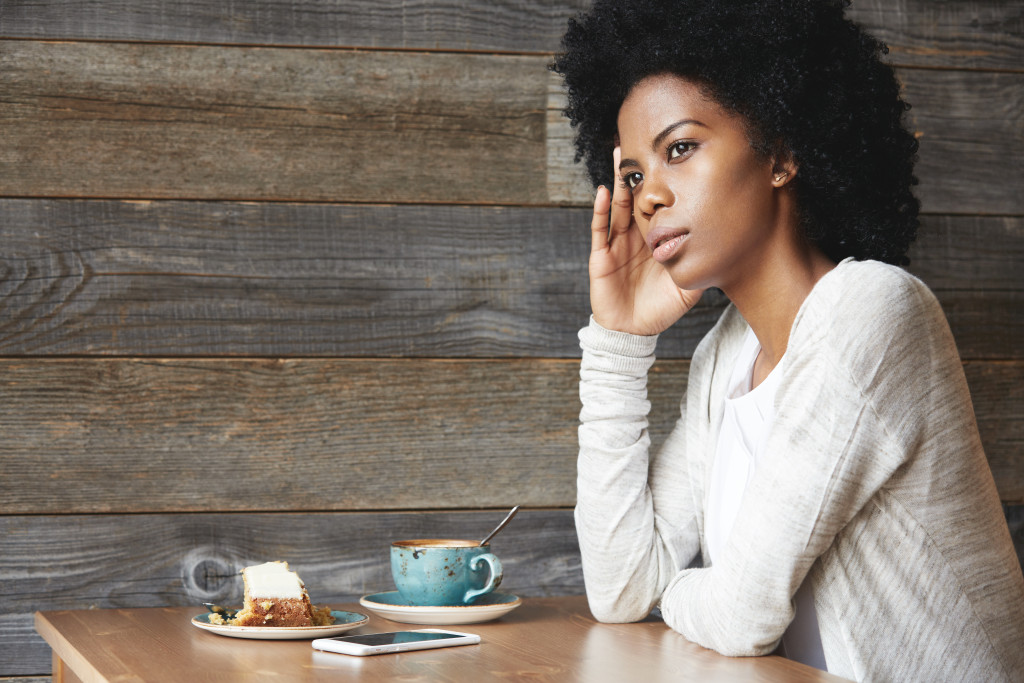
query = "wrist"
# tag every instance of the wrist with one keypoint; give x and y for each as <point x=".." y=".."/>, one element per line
<point x="597" y="337"/>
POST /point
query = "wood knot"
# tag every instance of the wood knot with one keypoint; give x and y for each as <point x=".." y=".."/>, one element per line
<point x="207" y="577"/>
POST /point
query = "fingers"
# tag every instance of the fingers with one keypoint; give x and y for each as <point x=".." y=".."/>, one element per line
<point x="599" y="223"/>
<point x="622" y="202"/>
<point x="613" y="210"/>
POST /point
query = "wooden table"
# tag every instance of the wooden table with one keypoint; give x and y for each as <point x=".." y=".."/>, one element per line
<point x="546" y="639"/>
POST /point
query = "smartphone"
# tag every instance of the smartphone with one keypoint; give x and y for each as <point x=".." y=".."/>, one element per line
<point x="394" y="641"/>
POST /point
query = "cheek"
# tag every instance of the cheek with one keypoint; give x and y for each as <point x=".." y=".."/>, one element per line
<point x="743" y="193"/>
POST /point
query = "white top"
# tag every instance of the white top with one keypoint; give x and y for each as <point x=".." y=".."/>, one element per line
<point x="874" y="490"/>
<point x="741" y="445"/>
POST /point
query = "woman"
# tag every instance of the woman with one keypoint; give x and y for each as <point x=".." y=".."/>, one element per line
<point x="824" y="492"/>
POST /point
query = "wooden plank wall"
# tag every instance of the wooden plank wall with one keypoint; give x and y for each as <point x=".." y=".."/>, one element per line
<point x="289" y="280"/>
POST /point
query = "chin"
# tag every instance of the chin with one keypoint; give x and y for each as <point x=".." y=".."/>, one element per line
<point x="686" y="277"/>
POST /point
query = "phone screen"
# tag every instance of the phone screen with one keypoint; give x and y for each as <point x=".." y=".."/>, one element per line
<point x="395" y="637"/>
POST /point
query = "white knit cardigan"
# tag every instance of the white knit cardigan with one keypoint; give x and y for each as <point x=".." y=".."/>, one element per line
<point x="875" y="489"/>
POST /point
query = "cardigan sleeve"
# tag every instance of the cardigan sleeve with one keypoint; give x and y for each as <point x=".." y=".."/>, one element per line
<point x="855" y="376"/>
<point x="630" y="550"/>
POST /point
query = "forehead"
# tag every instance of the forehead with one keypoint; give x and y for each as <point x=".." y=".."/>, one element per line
<point x="662" y="100"/>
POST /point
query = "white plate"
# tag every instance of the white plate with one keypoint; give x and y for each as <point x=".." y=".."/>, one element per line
<point x="343" y="621"/>
<point x="391" y="606"/>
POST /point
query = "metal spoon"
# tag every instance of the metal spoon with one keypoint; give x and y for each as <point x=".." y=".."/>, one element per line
<point x="223" y="611"/>
<point x="508" y="518"/>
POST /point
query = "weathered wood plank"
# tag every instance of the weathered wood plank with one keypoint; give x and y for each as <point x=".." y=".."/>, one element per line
<point x="997" y="390"/>
<point x="135" y="436"/>
<point x="478" y="25"/>
<point x="967" y="34"/>
<point x="155" y="121"/>
<point x="176" y="278"/>
<point x="965" y="253"/>
<point x="263" y="435"/>
<point x="80" y="562"/>
<point x="202" y="279"/>
<point x="971" y="130"/>
<point x="160" y="121"/>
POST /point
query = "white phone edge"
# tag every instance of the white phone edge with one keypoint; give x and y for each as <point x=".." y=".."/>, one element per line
<point x="331" y="645"/>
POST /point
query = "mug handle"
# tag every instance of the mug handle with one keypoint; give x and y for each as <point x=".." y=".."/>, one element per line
<point x="492" y="582"/>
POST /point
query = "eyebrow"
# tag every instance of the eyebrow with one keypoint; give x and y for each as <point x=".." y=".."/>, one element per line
<point x="660" y="137"/>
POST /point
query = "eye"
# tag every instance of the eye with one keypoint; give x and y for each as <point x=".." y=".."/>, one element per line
<point x="632" y="180"/>
<point x="680" y="149"/>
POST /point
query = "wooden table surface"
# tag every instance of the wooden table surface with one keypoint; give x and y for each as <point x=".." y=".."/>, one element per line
<point x="546" y="639"/>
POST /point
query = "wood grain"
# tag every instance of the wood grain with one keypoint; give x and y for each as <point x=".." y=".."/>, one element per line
<point x="963" y="253"/>
<point x="365" y="324"/>
<point x="966" y="34"/>
<point x="182" y="278"/>
<point x="998" y="409"/>
<point x="267" y="435"/>
<point x="153" y="121"/>
<point x="204" y="279"/>
<point x="479" y="25"/>
<point x="552" y="639"/>
<point x="199" y="435"/>
<point x="105" y="561"/>
<point x="970" y="126"/>
<point x="201" y="122"/>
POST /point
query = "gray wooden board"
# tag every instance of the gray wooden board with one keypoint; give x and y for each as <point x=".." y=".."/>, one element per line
<point x="101" y="561"/>
<point x="195" y="435"/>
<point x="999" y="407"/>
<point x="200" y="435"/>
<point x="267" y="279"/>
<point x="480" y="25"/>
<point x="150" y="121"/>
<point x="965" y="34"/>
<point x="205" y="122"/>
<point x="970" y="126"/>
<point x="179" y="278"/>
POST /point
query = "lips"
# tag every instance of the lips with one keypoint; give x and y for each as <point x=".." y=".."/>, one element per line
<point x="665" y="242"/>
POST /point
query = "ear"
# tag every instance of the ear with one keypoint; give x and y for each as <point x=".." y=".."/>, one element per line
<point x="784" y="169"/>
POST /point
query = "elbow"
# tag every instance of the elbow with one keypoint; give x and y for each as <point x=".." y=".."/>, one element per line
<point x="616" y="611"/>
<point x="742" y="639"/>
<point x="731" y="641"/>
<point x="743" y="633"/>
<point x="742" y="645"/>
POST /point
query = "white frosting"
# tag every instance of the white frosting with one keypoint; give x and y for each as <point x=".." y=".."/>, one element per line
<point x="272" y="580"/>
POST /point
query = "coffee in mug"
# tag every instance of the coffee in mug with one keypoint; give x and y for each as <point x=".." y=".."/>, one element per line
<point x="443" y="572"/>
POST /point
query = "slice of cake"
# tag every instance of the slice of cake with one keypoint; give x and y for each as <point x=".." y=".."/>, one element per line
<point x="276" y="596"/>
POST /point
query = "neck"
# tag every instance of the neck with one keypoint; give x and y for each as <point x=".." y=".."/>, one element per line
<point x="770" y="296"/>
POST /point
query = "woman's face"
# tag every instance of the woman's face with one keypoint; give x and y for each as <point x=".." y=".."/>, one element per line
<point x="705" y="202"/>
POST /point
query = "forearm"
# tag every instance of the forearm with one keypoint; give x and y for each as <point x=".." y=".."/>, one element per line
<point x="625" y="561"/>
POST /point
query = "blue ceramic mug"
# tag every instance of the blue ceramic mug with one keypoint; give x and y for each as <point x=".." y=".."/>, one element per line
<point x="443" y="572"/>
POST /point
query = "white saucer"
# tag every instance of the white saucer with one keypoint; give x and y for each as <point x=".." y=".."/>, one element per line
<point x="343" y="621"/>
<point x="392" y="606"/>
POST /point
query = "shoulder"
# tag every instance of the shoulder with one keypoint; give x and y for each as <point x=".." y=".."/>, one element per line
<point x="866" y="302"/>
<point x="874" y="321"/>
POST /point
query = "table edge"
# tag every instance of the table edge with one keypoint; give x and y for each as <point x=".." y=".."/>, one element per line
<point x="61" y="648"/>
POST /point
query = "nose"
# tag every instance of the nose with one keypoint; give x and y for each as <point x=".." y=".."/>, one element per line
<point x="654" y="195"/>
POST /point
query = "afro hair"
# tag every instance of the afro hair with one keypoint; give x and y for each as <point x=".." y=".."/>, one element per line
<point x="806" y="80"/>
